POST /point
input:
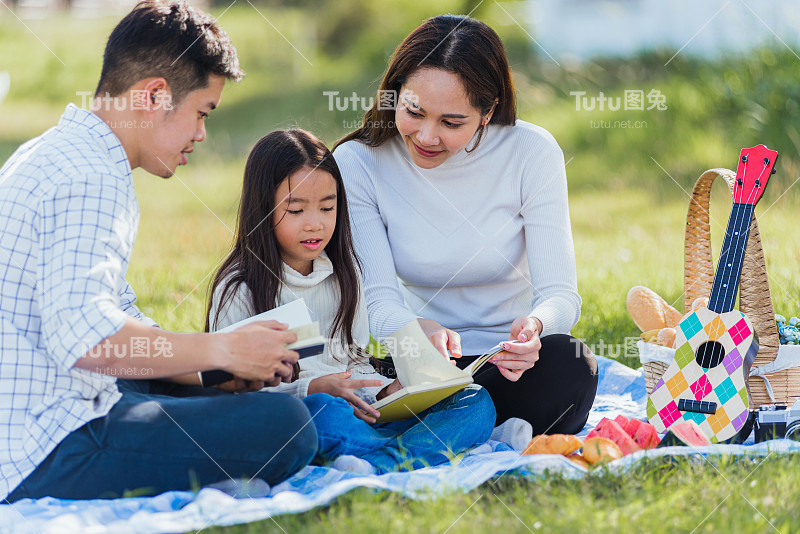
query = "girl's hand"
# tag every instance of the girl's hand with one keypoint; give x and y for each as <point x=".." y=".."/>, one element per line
<point x="388" y="390"/>
<point x="442" y="338"/>
<point x="340" y="385"/>
<point x="521" y="352"/>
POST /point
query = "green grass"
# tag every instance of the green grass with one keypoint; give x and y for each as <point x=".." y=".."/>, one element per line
<point x="627" y="215"/>
<point x="722" y="495"/>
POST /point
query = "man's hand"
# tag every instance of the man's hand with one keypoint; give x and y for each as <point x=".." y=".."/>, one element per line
<point x="239" y="385"/>
<point x="340" y="385"/>
<point x="257" y="351"/>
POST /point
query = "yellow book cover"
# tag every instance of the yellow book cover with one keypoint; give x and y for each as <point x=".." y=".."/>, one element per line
<point x="406" y="403"/>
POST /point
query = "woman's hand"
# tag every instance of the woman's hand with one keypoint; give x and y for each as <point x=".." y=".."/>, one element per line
<point x="340" y="385"/>
<point x="521" y="352"/>
<point x="442" y="338"/>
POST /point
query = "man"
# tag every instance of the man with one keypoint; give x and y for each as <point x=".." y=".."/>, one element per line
<point x="68" y="319"/>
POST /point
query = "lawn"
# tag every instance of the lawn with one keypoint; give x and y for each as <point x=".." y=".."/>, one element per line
<point x="675" y="496"/>
<point x="628" y="200"/>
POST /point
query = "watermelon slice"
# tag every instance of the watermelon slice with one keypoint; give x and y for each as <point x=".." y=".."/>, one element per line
<point x="632" y="426"/>
<point x="623" y="422"/>
<point x="612" y="430"/>
<point x="645" y="436"/>
<point x="686" y="433"/>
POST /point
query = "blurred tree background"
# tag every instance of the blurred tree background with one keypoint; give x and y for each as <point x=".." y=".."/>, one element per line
<point x="627" y="184"/>
<point x="295" y="51"/>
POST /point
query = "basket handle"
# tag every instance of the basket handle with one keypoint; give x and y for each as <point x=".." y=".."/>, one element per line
<point x="754" y="295"/>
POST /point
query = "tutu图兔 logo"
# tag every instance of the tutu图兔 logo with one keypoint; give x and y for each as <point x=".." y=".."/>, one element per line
<point x="634" y="100"/>
<point x="387" y="100"/>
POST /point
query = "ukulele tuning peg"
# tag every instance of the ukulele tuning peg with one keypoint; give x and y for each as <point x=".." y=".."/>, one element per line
<point x="758" y="183"/>
<point x="774" y="171"/>
<point x="766" y="161"/>
<point x="739" y="181"/>
<point x="744" y="159"/>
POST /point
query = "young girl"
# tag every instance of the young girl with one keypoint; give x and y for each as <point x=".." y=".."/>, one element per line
<point x="293" y="241"/>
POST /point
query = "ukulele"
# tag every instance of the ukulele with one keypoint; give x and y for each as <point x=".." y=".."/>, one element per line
<point x="705" y="382"/>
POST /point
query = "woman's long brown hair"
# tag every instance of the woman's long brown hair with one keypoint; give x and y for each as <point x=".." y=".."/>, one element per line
<point x="464" y="46"/>
<point x="255" y="260"/>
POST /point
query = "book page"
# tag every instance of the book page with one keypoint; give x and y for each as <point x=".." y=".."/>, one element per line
<point x="480" y="360"/>
<point x="416" y="360"/>
<point x="294" y="313"/>
<point x="305" y="332"/>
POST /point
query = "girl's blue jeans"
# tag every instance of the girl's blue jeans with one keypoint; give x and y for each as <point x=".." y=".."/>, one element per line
<point x="458" y="423"/>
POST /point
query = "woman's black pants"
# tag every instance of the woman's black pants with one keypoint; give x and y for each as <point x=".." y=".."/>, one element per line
<point x="555" y="396"/>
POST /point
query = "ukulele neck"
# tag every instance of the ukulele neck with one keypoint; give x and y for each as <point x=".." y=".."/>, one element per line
<point x="729" y="268"/>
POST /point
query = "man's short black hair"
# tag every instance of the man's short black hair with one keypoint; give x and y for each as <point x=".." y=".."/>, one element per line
<point x="169" y="39"/>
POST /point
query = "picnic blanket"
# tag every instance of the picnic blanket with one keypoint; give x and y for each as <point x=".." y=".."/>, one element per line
<point x="621" y="390"/>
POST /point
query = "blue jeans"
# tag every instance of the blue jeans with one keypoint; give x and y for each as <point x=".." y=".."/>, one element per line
<point x="161" y="436"/>
<point x="458" y="423"/>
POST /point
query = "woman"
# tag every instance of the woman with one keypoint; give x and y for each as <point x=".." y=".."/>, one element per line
<point x="467" y="206"/>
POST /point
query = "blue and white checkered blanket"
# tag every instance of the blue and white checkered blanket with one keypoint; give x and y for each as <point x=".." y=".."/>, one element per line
<point x="620" y="390"/>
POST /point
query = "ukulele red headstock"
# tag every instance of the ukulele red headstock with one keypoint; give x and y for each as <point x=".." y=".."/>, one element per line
<point x="755" y="167"/>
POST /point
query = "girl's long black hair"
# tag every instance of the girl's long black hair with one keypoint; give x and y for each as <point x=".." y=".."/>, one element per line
<point x="256" y="260"/>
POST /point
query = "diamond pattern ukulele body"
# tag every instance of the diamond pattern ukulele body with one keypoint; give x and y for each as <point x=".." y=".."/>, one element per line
<point x="705" y="382"/>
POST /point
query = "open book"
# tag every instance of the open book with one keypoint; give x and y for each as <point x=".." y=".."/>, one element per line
<point x="295" y="314"/>
<point x="428" y="377"/>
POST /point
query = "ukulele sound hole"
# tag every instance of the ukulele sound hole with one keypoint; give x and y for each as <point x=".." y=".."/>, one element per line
<point x="709" y="354"/>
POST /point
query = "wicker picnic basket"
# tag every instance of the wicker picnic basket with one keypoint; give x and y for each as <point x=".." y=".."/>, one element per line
<point x="754" y="296"/>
